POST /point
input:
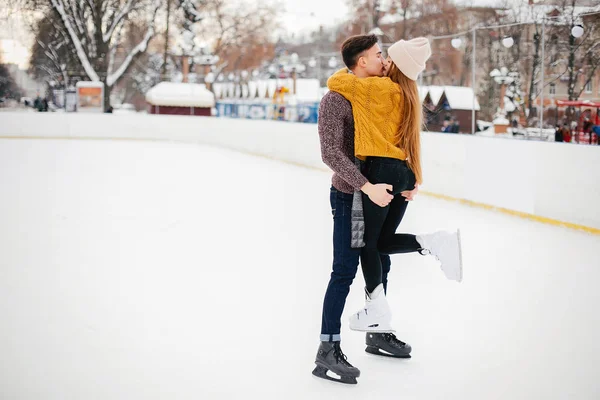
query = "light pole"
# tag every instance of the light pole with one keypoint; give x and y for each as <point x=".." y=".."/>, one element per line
<point x="542" y="77"/>
<point x="294" y="59"/>
<point x="473" y="79"/>
<point x="576" y="31"/>
<point x="294" y="67"/>
<point x="456" y="43"/>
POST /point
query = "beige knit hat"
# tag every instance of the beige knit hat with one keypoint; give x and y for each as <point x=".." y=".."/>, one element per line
<point x="410" y="55"/>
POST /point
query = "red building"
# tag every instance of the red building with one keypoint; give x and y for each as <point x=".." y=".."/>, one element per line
<point x="175" y="98"/>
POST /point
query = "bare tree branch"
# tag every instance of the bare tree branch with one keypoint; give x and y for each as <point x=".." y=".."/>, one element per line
<point x="140" y="48"/>
<point x="121" y="14"/>
<point x="59" y="6"/>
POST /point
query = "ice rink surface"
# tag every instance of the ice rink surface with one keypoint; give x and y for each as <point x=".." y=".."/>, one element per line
<point x="151" y="270"/>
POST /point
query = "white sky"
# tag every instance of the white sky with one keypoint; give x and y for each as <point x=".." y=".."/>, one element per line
<point x="300" y="16"/>
<point x="14" y="37"/>
<point x="309" y="14"/>
<point x="160" y="270"/>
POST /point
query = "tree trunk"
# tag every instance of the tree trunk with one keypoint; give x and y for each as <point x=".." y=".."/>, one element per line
<point x="535" y="65"/>
<point x="572" y="74"/>
<point x="107" y="91"/>
<point x="164" y="66"/>
<point x="375" y="15"/>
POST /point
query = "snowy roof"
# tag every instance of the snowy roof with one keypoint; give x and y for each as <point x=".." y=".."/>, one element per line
<point x="422" y="92"/>
<point x="89" y="84"/>
<point x="177" y="94"/>
<point x="459" y="97"/>
<point x="435" y="93"/>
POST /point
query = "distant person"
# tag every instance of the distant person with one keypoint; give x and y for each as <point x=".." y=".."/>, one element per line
<point x="37" y="103"/>
<point x="574" y="132"/>
<point x="446" y="126"/>
<point x="566" y="134"/>
<point x="558" y="134"/>
<point x="587" y="127"/>
<point x="596" y="130"/>
<point x="455" y="126"/>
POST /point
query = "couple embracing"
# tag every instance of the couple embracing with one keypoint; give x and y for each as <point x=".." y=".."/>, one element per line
<point x="369" y="127"/>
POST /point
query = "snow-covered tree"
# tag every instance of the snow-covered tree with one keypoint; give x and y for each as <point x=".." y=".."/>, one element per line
<point x="232" y="30"/>
<point x="583" y="54"/>
<point x="95" y="30"/>
<point x="365" y="14"/>
<point x="52" y="57"/>
<point x="514" y="98"/>
<point x="188" y="17"/>
<point x="527" y="50"/>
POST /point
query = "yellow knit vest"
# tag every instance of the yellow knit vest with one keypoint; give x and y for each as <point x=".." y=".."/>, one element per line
<point x="377" y="110"/>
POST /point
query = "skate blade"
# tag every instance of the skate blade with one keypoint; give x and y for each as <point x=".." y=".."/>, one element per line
<point x="376" y="351"/>
<point x="460" y="261"/>
<point x="321" y="372"/>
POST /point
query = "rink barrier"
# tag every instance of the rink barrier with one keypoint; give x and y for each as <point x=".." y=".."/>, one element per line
<point x="471" y="203"/>
<point x="514" y="213"/>
<point x="453" y="164"/>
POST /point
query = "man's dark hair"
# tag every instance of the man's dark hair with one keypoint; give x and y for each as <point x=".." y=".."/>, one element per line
<point x="354" y="46"/>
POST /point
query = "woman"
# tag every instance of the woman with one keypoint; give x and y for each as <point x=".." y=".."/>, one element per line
<point x="388" y="120"/>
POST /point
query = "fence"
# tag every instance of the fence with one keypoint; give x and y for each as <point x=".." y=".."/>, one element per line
<point x="305" y="112"/>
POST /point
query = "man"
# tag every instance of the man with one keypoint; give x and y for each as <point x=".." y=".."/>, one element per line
<point x="596" y="130"/>
<point x="362" y="56"/>
<point x="558" y="134"/>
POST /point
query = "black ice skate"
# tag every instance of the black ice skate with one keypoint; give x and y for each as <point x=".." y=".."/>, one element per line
<point x="387" y="344"/>
<point x="330" y="358"/>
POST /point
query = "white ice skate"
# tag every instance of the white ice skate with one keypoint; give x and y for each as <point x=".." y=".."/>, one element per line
<point x="375" y="316"/>
<point x="446" y="247"/>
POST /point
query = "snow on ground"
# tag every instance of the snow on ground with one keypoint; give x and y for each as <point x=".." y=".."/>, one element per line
<point x="175" y="271"/>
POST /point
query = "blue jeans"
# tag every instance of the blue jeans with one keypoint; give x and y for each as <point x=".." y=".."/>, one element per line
<point x="345" y="265"/>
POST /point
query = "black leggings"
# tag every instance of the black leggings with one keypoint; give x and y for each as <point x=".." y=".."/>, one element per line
<point x="381" y="222"/>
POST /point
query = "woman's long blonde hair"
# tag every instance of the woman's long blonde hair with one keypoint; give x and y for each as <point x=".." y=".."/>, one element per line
<point x="409" y="132"/>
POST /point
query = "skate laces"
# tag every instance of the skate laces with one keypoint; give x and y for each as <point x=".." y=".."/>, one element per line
<point x="340" y="357"/>
<point x="391" y="338"/>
